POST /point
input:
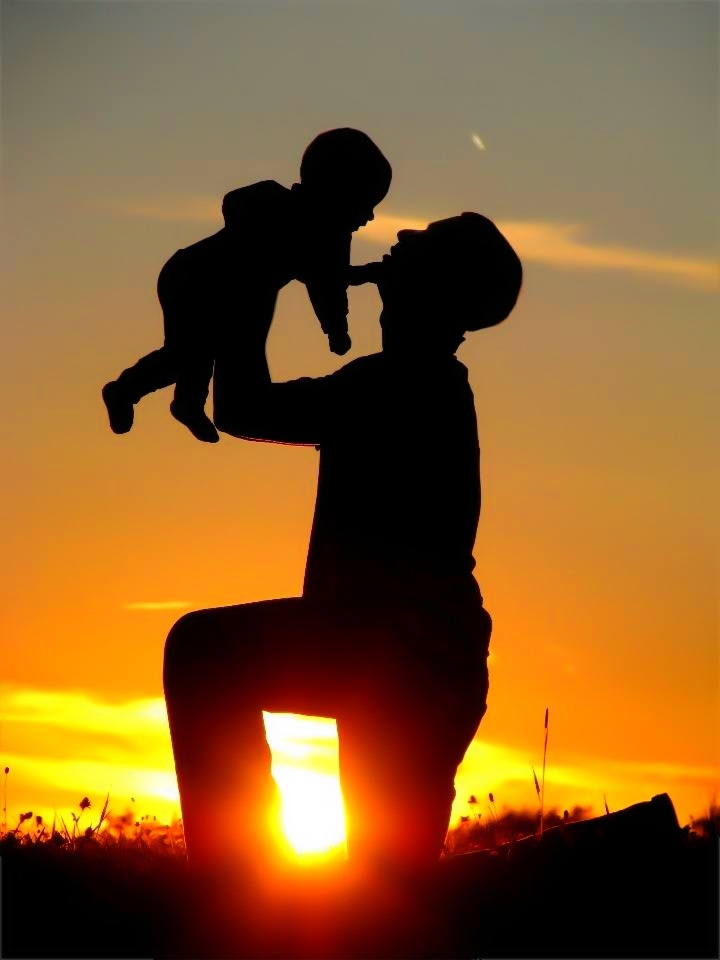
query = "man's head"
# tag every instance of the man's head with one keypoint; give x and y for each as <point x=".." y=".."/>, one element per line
<point x="457" y="275"/>
<point x="346" y="173"/>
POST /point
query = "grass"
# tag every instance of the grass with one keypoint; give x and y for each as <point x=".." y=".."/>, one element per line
<point x="95" y="886"/>
<point x="476" y="832"/>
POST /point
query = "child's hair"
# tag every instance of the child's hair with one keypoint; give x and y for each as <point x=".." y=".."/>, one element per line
<point x="346" y="160"/>
<point x="478" y="269"/>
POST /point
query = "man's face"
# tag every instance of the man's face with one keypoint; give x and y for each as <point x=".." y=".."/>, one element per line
<point x="407" y="285"/>
<point x="417" y="266"/>
<point x="416" y="250"/>
<point x="418" y="284"/>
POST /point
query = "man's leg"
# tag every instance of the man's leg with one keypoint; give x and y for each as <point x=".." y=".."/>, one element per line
<point x="223" y="667"/>
<point x="404" y="722"/>
<point x="399" y="752"/>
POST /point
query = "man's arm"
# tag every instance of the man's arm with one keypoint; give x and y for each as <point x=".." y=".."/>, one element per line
<point x="249" y="405"/>
<point x="365" y="273"/>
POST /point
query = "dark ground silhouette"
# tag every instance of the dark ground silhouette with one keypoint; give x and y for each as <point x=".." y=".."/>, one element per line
<point x="628" y="885"/>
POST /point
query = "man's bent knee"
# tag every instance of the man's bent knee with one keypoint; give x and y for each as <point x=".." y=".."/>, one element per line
<point x="183" y="646"/>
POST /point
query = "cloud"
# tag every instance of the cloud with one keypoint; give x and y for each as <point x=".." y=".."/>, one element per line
<point x="75" y="711"/>
<point x="61" y="742"/>
<point x="562" y="245"/>
<point x="185" y="208"/>
<point x="158" y="605"/>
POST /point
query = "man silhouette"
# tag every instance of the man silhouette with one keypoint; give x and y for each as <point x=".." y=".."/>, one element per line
<point x="390" y="636"/>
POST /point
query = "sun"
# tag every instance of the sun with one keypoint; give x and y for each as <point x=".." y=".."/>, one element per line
<point x="305" y="767"/>
<point x="312" y="816"/>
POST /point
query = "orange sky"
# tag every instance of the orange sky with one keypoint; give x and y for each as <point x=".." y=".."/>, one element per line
<point x="597" y="400"/>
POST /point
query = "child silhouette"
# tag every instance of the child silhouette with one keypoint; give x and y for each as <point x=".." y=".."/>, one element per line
<point x="225" y="286"/>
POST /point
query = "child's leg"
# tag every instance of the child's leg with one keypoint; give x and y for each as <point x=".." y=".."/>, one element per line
<point x="159" y="368"/>
<point x="191" y="392"/>
<point x="150" y="373"/>
<point x="182" y="289"/>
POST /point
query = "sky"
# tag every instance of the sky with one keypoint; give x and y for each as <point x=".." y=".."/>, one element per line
<point x="589" y="132"/>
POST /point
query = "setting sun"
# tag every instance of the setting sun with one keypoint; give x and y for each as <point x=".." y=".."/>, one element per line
<point x="312" y="817"/>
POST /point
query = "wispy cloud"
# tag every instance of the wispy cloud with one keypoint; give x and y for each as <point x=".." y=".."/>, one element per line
<point x="158" y="605"/>
<point x="78" y="711"/>
<point x="562" y="245"/>
<point x="566" y="245"/>
<point x="176" y="207"/>
<point x="61" y="745"/>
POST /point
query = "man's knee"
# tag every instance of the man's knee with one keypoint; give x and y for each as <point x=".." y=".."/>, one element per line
<point x="182" y="647"/>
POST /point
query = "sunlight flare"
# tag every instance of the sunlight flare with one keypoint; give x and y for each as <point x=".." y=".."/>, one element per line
<point x="312" y="817"/>
<point x="305" y="767"/>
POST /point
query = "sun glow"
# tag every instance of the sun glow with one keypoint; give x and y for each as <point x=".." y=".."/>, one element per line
<point x="312" y="815"/>
<point x="305" y="766"/>
<point x="60" y="745"/>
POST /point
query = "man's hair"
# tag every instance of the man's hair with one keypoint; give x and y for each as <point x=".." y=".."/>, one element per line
<point x="346" y="160"/>
<point x="477" y="267"/>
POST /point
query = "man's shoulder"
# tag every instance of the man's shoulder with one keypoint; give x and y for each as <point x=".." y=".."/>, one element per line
<point x="380" y="364"/>
<point x="369" y="366"/>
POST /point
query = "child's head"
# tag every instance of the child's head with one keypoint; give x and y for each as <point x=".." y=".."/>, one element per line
<point x="346" y="173"/>
<point x="458" y="275"/>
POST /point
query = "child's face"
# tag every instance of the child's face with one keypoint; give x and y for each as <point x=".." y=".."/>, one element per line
<point x="354" y="213"/>
<point x="347" y="209"/>
<point x="359" y="217"/>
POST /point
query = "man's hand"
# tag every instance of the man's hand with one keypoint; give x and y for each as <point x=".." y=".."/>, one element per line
<point x="340" y="343"/>
<point x="367" y="273"/>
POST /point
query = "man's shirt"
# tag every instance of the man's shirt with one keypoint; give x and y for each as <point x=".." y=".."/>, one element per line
<point x="398" y="497"/>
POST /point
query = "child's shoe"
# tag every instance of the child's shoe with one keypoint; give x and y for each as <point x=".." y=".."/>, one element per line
<point x="199" y="425"/>
<point x="119" y="407"/>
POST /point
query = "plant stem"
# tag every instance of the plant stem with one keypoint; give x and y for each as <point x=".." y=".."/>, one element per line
<point x="542" y="792"/>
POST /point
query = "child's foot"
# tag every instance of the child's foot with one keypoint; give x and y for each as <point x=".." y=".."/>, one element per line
<point x="199" y="425"/>
<point x="119" y="407"/>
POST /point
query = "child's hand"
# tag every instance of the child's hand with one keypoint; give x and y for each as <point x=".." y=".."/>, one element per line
<point x="340" y="343"/>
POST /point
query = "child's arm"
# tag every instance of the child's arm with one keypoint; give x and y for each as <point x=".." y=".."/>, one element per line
<point x="328" y="296"/>
<point x="326" y="280"/>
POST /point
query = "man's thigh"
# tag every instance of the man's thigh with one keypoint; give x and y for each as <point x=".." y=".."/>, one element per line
<point x="291" y="655"/>
<point x="353" y="664"/>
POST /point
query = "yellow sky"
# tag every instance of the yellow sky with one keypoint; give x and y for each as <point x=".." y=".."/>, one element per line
<point x="123" y="749"/>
